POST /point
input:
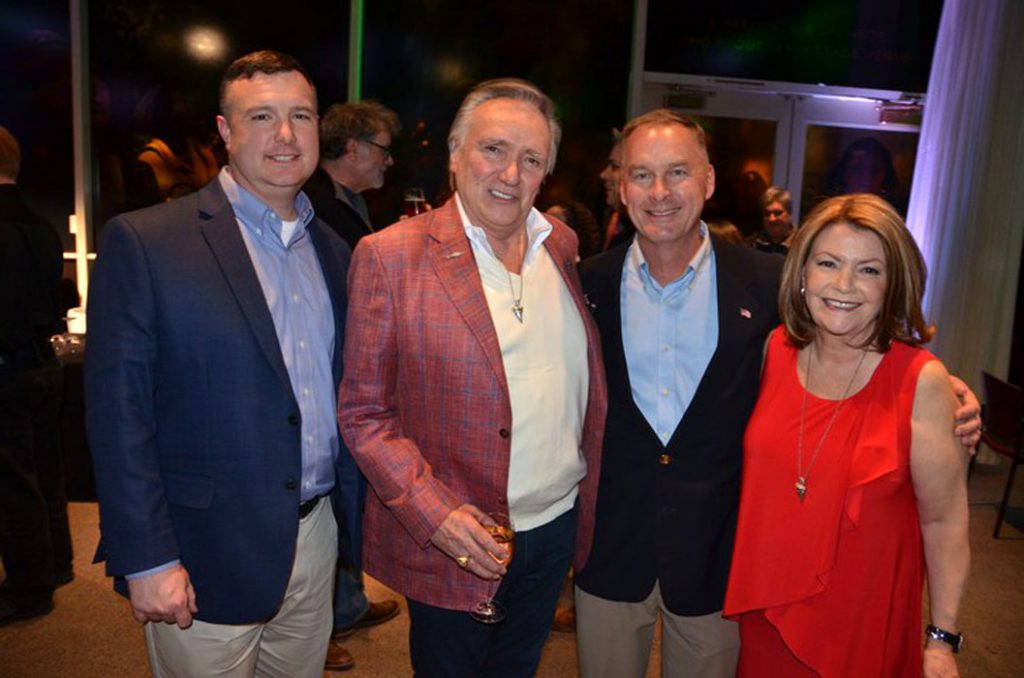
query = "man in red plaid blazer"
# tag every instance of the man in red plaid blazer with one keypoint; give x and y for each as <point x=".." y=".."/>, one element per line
<point x="474" y="386"/>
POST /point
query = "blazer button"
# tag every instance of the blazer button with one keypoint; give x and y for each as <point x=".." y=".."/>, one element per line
<point x="291" y="484"/>
<point x="504" y="433"/>
<point x="293" y="419"/>
<point x="664" y="460"/>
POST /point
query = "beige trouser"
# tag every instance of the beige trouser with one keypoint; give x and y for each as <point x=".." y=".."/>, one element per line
<point x="614" y="640"/>
<point x="292" y="644"/>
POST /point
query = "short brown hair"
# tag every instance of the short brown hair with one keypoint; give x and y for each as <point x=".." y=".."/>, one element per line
<point x="10" y="155"/>
<point x="666" y="116"/>
<point x="265" y="61"/>
<point x="360" y="120"/>
<point x="901" y="318"/>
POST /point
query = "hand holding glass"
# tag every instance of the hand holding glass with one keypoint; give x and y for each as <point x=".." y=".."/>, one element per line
<point x="490" y="611"/>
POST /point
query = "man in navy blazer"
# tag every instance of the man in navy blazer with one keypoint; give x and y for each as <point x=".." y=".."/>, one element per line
<point x="215" y="348"/>
<point x="683" y="318"/>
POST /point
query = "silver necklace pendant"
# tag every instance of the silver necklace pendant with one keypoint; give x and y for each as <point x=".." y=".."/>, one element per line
<point x="517" y="310"/>
<point x="801" y="488"/>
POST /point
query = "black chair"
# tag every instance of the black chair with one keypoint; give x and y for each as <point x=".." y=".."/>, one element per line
<point x="1003" y="429"/>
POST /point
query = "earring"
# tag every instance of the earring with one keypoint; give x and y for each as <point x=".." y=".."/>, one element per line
<point x="803" y="286"/>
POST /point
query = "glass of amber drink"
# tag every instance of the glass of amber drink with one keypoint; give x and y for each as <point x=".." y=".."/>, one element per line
<point x="490" y="611"/>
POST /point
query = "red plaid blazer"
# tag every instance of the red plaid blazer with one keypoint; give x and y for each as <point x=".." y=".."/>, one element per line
<point x="424" y="405"/>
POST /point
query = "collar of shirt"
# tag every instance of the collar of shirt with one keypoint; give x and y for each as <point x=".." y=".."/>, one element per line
<point x="636" y="264"/>
<point x="352" y="199"/>
<point x="258" y="218"/>
<point x="537" y="230"/>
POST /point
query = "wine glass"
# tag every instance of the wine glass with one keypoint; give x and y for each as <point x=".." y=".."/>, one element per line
<point x="414" y="201"/>
<point x="490" y="611"/>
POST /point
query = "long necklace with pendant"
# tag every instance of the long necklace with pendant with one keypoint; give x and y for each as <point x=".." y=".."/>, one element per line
<point x="517" y="301"/>
<point x="801" y="474"/>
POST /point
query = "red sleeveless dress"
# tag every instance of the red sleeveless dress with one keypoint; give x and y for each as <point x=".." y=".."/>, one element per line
<point x="830" y="586"/>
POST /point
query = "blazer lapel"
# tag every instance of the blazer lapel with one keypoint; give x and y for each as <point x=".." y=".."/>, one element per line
<point x="735" y="305"/>
<point x="219" y="227"/>
<point x="609" y="317"/>
<point x="735" y="301"/>
<point x="451" y="256"/>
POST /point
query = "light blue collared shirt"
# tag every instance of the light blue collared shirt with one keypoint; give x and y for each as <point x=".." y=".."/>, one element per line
<point x="669" y="334"/>
<point x="296" y="293"/>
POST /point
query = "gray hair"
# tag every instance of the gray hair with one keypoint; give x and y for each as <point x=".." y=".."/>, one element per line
<point x="506" y="88"/>
<point x="360" y="120"/>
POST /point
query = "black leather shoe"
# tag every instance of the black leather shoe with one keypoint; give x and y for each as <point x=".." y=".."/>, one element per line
<point x="376" y="613"/>
<point x="11" y="611"/>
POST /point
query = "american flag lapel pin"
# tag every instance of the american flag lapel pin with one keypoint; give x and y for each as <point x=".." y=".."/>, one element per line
<point x="745" y="313"/>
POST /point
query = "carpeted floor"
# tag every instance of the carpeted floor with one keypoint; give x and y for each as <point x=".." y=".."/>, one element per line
<point x="91" y="633"/>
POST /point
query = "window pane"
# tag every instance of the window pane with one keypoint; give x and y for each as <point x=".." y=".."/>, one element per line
<point x="840" y="160"/>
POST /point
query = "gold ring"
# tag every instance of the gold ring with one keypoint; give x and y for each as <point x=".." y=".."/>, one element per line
<point x="463" y="561"/>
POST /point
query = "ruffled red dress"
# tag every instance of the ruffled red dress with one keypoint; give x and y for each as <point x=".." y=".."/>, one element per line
<point x="830" y="586"/>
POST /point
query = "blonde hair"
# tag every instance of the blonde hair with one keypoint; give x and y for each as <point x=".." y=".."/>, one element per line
<point x="900" y="318"/>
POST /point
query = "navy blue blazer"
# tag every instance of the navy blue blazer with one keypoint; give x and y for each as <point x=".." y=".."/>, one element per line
<point x="673" y="523"/>
<point x="193" y="426"/>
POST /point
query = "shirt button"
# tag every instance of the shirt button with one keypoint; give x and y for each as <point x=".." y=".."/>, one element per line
<point x="302" y="344"/>
<point x="504" y="433"/>
<point x="664" y="391"/>
<point x="293" y="419"/>
<point x="295" y="298"/>
<point x="665" y="348"/>
<point x="291" y="484"/>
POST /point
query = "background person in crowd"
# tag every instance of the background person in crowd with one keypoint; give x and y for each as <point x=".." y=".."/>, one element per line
<point x="723" y="229"/>
<point x="35" y="541"/>
<point x="355" y="143"/>
<point x="683" y="319"/>
<point x="467" y="391"/>
<point x="777" y="219"/>
<point x="215" y="352"/>
<point x="854" y="485"/>
<point x="355" y="153"/>
<point x="617" y="227"/>
<point x="580" y="219"/>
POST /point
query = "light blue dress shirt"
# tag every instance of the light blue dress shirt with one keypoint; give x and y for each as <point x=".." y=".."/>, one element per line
<point x="669" y="334"/>
<point x="296" y="293"/>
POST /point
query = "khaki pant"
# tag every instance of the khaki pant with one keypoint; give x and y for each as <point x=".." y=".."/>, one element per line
<point x="614" y="640"/>
<point x="292" y="644"/>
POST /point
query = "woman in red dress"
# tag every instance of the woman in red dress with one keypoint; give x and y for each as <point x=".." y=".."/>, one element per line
<point x="854" y="486"/>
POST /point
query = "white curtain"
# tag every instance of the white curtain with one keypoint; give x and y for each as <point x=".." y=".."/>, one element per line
<point x="967" y="205"/>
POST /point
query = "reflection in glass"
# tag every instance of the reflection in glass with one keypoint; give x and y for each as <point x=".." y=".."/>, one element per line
<point x="840" y="160"/>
